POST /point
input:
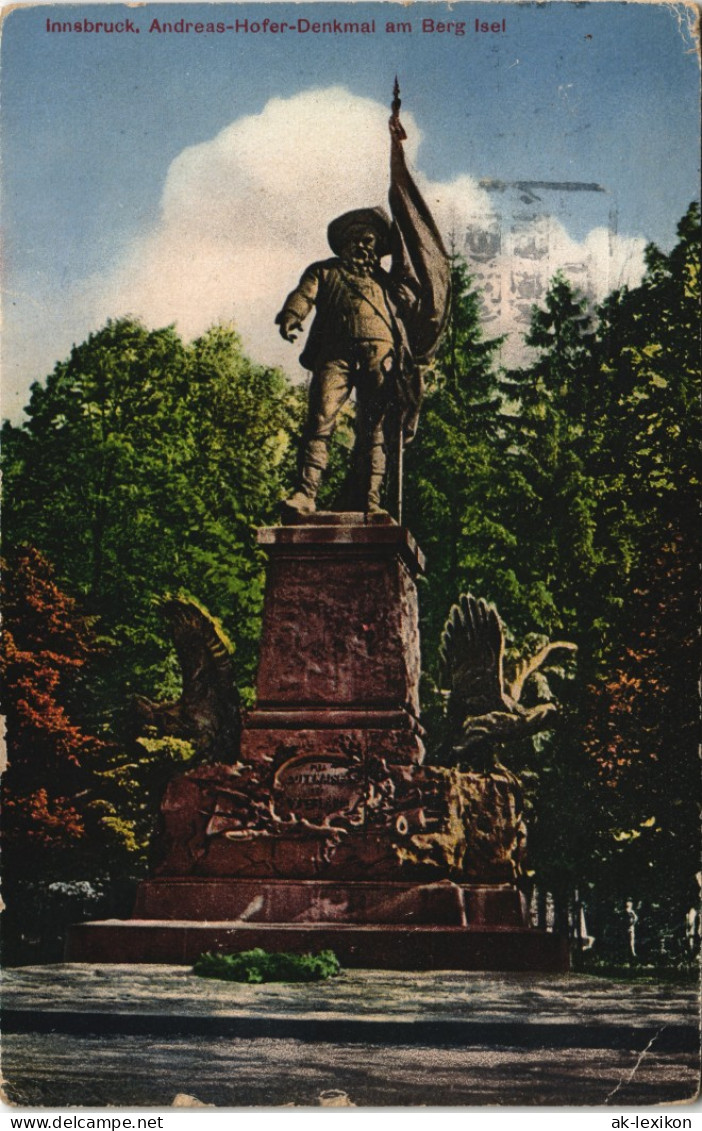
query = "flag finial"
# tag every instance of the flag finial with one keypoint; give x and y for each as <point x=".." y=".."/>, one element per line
<point x="396" y="127"/>
<point x="396" y="101"/>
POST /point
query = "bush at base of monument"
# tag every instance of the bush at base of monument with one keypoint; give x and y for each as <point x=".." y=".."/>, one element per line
<point x="260" y="966"/>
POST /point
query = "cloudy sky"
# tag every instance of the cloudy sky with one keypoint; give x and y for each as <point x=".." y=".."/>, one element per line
<point x="188" y="177"/>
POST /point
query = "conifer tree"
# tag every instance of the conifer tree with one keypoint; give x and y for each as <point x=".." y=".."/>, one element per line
<point x="449" y="467"/>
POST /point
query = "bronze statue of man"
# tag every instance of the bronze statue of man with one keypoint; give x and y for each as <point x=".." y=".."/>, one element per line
<point x="372" y="332"/>
<point x="357" y="341"/>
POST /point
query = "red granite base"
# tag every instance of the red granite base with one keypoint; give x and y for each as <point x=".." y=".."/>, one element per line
<point x="384" y="947"/>
<point x="323" y="901"/>
<point x="393" y="926"/>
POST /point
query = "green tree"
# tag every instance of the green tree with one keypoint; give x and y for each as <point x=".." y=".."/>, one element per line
<point x="549" y="504"/>
<point x="650" y="356"/>
<point x="449" y="468"/>
<point x="549" y="489"/>
<point x="641" y="736"/>
<point x="143" y="467"/>
<point x="641" y="715"/>
<point x="602" y="455"/>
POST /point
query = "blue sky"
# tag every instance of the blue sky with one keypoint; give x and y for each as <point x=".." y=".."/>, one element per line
<point x="96" y="127"/>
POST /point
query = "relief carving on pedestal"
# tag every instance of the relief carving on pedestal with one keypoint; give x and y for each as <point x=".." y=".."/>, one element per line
<point x="329" y="803"/>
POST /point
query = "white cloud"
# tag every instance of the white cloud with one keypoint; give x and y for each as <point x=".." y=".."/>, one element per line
<point x="243" y="213"/>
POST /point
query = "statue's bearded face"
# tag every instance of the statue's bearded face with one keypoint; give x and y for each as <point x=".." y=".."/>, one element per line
<point x="360" y="250"/>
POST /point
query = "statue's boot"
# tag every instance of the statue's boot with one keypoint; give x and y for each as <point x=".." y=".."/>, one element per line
<point x="304" y="500"/>
<point x="374" y="467"/>
<point x="373" y="504"/>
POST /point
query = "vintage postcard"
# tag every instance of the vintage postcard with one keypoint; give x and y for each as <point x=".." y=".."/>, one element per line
<point x="350" y="585"/>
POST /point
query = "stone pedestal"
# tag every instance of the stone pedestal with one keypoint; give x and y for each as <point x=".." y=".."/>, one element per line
<point x="330" y="831"/>
<point x="339" y="663"/>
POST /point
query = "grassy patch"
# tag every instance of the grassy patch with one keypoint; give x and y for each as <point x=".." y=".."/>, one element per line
<point x="260" y="966"/>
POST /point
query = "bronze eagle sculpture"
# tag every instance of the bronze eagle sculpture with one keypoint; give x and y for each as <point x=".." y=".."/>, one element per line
<point x="208" y="711"/>
<point x="483" y="706"/>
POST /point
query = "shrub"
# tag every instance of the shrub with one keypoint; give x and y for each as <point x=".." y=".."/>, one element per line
<point x="260" y="966"/>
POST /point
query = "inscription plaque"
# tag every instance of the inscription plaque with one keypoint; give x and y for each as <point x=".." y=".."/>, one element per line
<point x="319" y="789"/>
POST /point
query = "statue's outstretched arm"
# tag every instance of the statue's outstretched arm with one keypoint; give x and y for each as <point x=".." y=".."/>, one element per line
<point x="298" y="305"/>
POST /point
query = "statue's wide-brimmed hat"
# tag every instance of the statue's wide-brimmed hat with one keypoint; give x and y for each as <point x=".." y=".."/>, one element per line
<point x="375" y="218"/>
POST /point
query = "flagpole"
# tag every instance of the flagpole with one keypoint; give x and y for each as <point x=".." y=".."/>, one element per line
<point x="400" y="468"/>
<point x="399" y="135"/>
<point x="420" y="259"/>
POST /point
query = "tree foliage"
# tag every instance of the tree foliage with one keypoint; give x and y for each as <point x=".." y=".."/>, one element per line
<point x="566" y="491"/>
<point x="451" y="464"/>
<point x="55" y="812"/>
<point x="143" y="468"/>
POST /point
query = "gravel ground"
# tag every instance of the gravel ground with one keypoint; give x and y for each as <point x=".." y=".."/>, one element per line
<point x="383" y="1038"/>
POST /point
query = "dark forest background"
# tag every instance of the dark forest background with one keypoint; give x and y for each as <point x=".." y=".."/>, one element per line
<point x="566" y="492"/>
